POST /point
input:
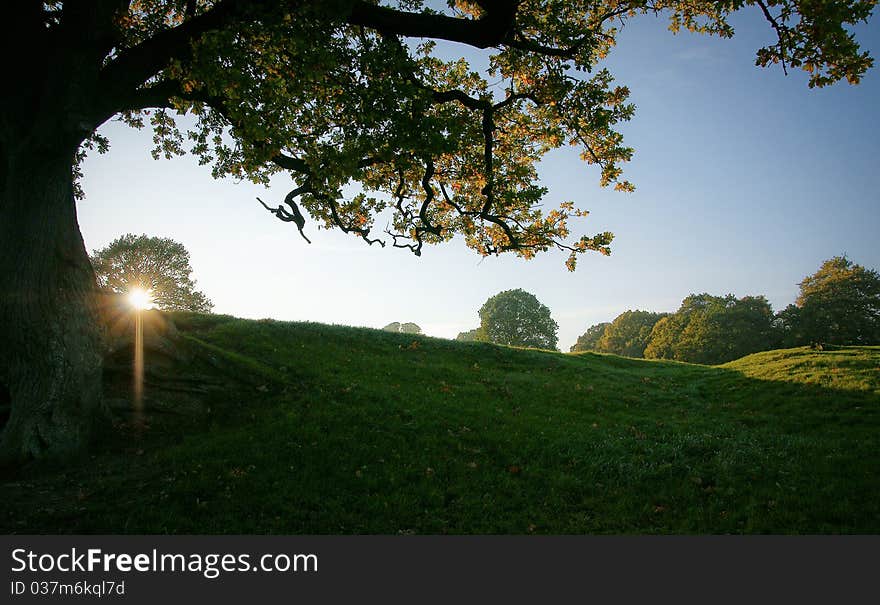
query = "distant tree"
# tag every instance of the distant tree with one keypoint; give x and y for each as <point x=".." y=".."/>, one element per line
<point x="789" y="328"/>
<point x="158" y="264"/>
<point x="839" y="304"/>
<point x="517" y="318"/>
<point x="405" y="328"/>
<point x="666" y="335"/>
<point x="714" y="329"/>
<point x="628" y="334"/>
<point x="410" y="328"/>
<point x="589" y="339"/>
<point x="726" y="330"/>
<point x="474" y="335"/>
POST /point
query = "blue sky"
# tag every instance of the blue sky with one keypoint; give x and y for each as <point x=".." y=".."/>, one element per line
<point x="746" y="181"/>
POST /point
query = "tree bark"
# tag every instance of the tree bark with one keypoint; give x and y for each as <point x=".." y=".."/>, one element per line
<point x="50" y="340"/>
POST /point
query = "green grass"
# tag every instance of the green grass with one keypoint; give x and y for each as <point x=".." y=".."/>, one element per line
<point x="325" y="429"/>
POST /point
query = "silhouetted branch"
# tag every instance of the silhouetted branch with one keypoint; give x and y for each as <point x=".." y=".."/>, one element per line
<point x="781" y="32"/>
<point x="490" y="30"/>
<point x="294" y="215"/>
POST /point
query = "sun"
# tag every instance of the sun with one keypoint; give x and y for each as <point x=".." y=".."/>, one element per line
<point x="140" y="299"/>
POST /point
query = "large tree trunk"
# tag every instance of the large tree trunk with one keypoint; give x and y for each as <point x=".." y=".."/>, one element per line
<point x="50" y="343"/>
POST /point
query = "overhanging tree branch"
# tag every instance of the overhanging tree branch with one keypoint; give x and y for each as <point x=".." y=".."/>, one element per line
<point x="490" y="30"/>
<point x="781" y="32"/>
<point x="293" y="215"/>
<point x="136" y="65"/>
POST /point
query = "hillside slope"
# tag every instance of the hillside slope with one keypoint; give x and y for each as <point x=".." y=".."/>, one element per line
<point x="843" y="368"/>
<point x="309" y="428"/>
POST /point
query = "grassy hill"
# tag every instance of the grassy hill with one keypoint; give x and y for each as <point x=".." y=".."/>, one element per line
<point x="271" y="427"/>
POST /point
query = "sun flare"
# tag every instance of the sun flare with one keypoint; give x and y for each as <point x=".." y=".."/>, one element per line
<point x="140" y="299"/>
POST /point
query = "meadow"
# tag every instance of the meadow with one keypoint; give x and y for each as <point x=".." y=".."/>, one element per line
<point x="266" y="427"/>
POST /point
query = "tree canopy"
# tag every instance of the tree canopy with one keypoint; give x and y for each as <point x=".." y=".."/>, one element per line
<point x="628" y="334"/>
<point x="435" y="148"/>
<point x="474" y="335"/>
<point x="403" y="328"/>
<point x="159" y="265"/>
<point x="517" y="318"/>
<point x="713" y="329"/>
<point x="839" y="304"/>
<point x="589" y="340"/>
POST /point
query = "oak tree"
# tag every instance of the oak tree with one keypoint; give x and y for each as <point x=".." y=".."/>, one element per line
<point x="158" y="265"/>
<point x="628" y="334"/>
<point x="403" y="328"/>
<point x="517" y="318"/>
<point x="589" y="340"/>
<point x="474" y="335"/>
<point x="332" y="92"/>
<point x="839" y="304"/>
<point x="714" y="329"/>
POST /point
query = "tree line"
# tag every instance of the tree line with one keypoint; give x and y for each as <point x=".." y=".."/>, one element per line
<point x="837" y="305"/>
